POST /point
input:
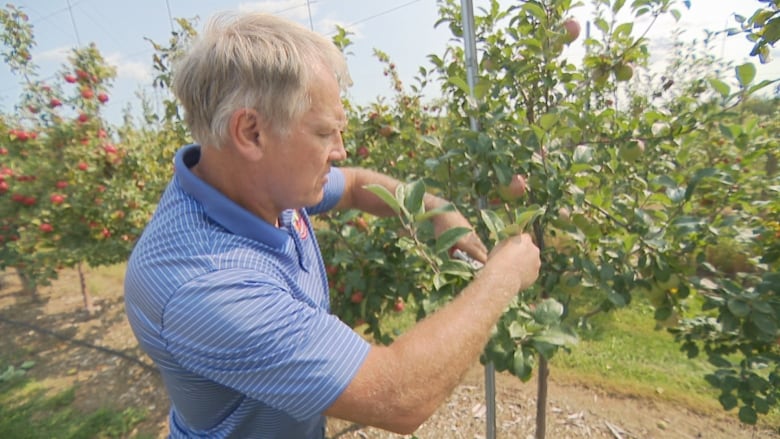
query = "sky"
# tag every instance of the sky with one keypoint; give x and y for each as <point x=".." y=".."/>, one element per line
<point x="404" y="29"/>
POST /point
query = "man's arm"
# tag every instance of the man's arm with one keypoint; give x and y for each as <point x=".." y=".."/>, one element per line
<point x="357" y="197"/>
<point x="400" y="386"/>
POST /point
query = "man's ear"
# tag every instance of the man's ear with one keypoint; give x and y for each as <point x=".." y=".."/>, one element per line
<point x="245" y="132"/>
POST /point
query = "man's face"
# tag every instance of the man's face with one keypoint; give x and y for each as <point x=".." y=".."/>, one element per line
<point x="301" y="159"/>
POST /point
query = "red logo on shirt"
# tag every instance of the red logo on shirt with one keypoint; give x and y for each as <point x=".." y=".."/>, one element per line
<point x="300" y="225"/>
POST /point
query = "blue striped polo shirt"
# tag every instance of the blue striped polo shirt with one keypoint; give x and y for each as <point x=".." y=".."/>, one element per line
<point x="235" y="313"/>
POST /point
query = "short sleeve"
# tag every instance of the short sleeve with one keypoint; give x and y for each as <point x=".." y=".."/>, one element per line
<point x="257" y="339"/>
<point x="333" y="190"/>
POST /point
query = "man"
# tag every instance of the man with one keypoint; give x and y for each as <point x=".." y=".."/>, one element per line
<point x="226" y="288"/>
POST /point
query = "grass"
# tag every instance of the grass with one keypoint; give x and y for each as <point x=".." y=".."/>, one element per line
<point x="29" y="411"/>
<point x="626" y="353"/>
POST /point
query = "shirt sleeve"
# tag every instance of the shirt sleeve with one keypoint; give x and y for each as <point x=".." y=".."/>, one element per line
<point x="333" y="190"/>
<point x="256" y="338"/>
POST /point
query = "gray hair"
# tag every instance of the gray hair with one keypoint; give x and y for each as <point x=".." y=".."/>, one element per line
<point x="251" y="60"/>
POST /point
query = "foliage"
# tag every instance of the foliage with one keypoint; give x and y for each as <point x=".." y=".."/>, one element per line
<point x="761" y="28"/>
<point x="659" y="187"/>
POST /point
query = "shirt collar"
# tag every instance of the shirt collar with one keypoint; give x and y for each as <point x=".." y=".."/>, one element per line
<point x="221" y="208"/>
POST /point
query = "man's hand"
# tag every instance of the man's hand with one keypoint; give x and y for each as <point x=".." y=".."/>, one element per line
<point x="470" y="243"/>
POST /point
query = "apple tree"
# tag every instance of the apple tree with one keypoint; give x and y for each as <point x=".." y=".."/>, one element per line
<point x="71" y="185"/>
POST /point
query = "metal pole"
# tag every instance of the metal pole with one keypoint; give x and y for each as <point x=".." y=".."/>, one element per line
<point x="470" y="47"/>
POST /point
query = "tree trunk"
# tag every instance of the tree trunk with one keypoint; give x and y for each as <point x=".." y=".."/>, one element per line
<point x="28" y="284"/>
<point x="84" y="292"/>
<point x="541" y="399"/>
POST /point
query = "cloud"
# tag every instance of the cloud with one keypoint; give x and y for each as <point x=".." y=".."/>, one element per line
<point x="128" y="69"/>
<point x="58" y="54"/>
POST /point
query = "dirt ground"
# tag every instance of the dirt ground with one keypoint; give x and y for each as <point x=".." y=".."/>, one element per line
<point x="98" y="355"/>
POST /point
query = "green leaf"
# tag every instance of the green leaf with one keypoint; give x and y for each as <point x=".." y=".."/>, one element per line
<point x="523" y="217"/>
<point x="697" y="177"/>
<point x="765" y="323"/>
<point x="460" y="83"/>
<point x="385" y="195"/>
<point x="748" y="415"/>
<point x="583" y="154"/>
<point x="493" y="223"/>
<point x="624" y="30"/>
<point x="522" y="365"/>
<point x="547" y="121"/>
<point x="721" y="87"/>
<point x="447" y="239"/>
<point x="728" y="401"/>
<point x="415" y="192"/>
<point x="548" y="312"/>
<point x="745" y="74"/>
<point x="536" y="11"/>
<point x="556" y="336"/>
<point x="739" y="308"/>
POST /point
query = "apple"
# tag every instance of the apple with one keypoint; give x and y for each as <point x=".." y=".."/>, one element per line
<point x="102" y="97"/>
<point x="632" y="151"/>
<point x="3" y="151"/>
<point x="623" y="72"/>
<point x="70" y="79"/>
<point x="82" y="74"/>
<point x="62" y="184"/>
<point x="83" y="117"/>
<point x="331" y="270"/>
<point x="386" y="131"/>
<point x="363" y="151"/>
<point x="57" y="198"/>
<point x="514" y="190"/>
<point x="356" y="297"/>
<point x="109" y="148"/>
<point x="600" y="75"/>
<point x="87" y="93"/>
<point x="572" y="28"/>
<point x="3" y="187"/>
<point x="46" y="228"/>
<point x="54" y="103"/>
<point x="564" y="214"/>
<point x="361" y="223"/>
<point x="83" y="166"/>
<point x="399" y="305"/>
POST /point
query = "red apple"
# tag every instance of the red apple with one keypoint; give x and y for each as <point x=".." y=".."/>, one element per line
<point x="70" y="79"/>
<point x="83" y="117"/>
<point x="46" y="228"/>
<point x="82" y="74"/>
<point x="572" y="28"/>
<point x="356" y="297"/>
<point x="102" y="97"/>
<point x="83" y="166"/>
<point x="109" y="148"/>
<point x="54" y="103"/>
<point x="361" y="223"/>
<point x="363" y="151"/>
<point x="61" y="184"/>
<point x="87" y="93"/>
<point x="398" y="306"/>
<point x="57" y="198"/>
<point x="3" y="151"/>
<point x="3" y="187"/>
<point x="386" y="131"/>
<point x="514" y="190"/>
